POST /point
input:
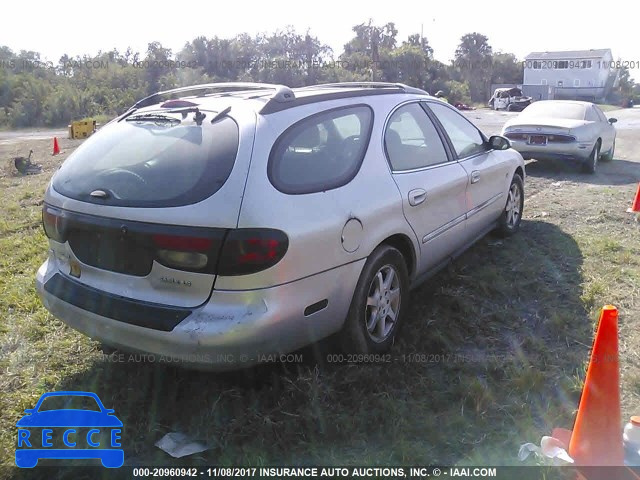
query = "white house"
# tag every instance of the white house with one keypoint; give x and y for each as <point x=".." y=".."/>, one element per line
<point x="576" y="74"/>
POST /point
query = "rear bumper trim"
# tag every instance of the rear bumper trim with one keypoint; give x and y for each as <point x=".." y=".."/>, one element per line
<point x="134" y="312"/>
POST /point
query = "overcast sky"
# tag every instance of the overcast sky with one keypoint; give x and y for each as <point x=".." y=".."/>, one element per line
<point x="54" y="28"/>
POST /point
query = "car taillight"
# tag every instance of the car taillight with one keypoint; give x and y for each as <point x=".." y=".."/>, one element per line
<point x="178" y="242"/>
<point x="561" y="138"/>
<point x="182" y="252"/>
<point x="515" y="136"/>
<point x="247" y="251"/>
<point x="52" y="225"/>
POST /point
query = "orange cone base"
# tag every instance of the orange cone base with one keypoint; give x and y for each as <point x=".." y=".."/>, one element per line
<point x="597" y="439"/>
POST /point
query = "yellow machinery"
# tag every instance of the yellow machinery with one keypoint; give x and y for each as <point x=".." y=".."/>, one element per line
<point x="82" y="128"/>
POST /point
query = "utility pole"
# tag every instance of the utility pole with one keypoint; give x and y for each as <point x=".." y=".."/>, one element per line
<point x="374" y="53"/>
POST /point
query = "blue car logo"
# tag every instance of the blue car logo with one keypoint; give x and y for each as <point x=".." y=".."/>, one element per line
<point x="56" y="428"/>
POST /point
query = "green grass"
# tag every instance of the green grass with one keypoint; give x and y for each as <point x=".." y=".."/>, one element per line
<point x="503" y="334"/>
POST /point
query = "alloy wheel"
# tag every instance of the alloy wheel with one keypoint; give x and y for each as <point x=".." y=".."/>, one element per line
<point x="383" y="303"/>
<point x="514" y="202"/>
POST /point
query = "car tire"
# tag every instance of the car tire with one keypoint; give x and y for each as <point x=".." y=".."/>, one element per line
<point x="367" y="328"/>
<point x="607" y="157"/>
<point x="511" y="217"/>
<point x="591" y="164"/>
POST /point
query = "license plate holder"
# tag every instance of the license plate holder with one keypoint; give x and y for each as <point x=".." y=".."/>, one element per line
<point x="537" y="140"/>
<point x="109" y="250"/>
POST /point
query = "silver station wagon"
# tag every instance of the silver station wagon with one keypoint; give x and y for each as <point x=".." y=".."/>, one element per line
<point x="219" y="224"/>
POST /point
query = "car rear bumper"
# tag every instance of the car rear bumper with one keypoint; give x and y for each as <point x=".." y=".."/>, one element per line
<point x="234" y="329"/>
<point x="558" y="151"/>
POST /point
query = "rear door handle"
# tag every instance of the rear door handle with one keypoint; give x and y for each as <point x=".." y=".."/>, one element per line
<point x="417" y="196"/>
<point x="475" y="176"/>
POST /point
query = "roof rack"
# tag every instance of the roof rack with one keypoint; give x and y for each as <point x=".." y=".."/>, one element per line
<point x="349" y="90"/>
<point x="281" y="94"/>
<point x="399" y="86"/>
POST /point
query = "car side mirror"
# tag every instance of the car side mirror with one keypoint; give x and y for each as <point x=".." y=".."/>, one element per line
<point x="613" y="120"/>
<point x="498" y="142"/>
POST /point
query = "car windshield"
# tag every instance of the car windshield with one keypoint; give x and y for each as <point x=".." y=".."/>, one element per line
<point x="73" y="402"/>
<point x="573" y="111"/>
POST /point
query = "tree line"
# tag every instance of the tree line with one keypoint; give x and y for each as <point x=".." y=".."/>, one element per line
<point x="35" y="92"/>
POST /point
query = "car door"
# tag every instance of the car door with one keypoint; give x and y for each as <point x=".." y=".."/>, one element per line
<point x="595" y="128"/>
<point x="431" y="183"/>
<point x="487" y="171"/>
<point x="608" y="131"/>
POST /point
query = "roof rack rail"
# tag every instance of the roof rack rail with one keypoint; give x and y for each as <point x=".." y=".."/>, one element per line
<point x="400" y="86"/>
<point x="282" y="92"/>
<point x="314" y="93"/>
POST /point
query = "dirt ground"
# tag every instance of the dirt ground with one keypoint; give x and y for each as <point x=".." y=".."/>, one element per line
<point x="18" y="144"/>
<point x="542" y="176"/>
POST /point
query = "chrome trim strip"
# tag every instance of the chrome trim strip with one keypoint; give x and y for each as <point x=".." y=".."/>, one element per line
<point x="440" y="230"/>
<point x="484" y="205"/>
<point x="456" y="221"/>
<point x="420" y="169"/>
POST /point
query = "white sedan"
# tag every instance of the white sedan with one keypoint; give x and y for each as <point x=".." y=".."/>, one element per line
<point x="563" y="129"/>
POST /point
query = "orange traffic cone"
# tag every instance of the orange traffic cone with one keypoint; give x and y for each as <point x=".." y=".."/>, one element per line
<point x="635" y="206"/>
<point x="596" y="438"/>
<point x="56" y="147"/>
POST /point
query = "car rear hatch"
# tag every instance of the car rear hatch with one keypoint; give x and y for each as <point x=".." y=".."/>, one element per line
<point x="141" y="210"/>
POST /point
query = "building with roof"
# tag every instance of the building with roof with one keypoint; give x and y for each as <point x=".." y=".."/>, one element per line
<point x="573" y="74"/>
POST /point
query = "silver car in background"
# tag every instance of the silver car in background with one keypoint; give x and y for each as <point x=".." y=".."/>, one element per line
<point x="564" y="130"/>
<point x="221" y="228"/>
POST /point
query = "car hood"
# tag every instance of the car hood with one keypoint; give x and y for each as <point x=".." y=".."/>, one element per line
<point x="69" y="418"/>
<point x="545" y="122"/>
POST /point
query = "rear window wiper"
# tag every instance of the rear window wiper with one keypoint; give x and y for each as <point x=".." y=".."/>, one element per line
<point x="152" y="117"/>
<point x="128" y="113"/>
<point x="198" y="118"/>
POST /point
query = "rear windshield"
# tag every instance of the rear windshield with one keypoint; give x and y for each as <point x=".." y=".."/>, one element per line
<point x="571" y="111"/>
<point x="164" y="160"/>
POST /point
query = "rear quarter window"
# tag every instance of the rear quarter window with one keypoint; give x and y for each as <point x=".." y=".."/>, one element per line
<point x="591" y="115"/>
<point x="601" y="115"/>
<point x="146" y="163"/>
<point x="321" y="152"/>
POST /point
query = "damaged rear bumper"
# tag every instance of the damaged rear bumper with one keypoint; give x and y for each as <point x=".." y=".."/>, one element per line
<point x="232" y="330"/>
